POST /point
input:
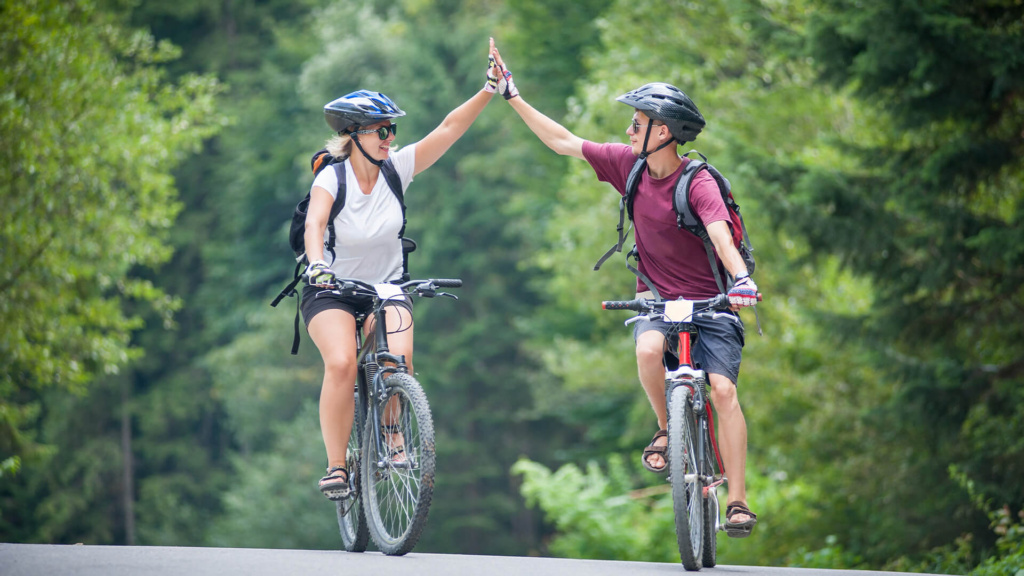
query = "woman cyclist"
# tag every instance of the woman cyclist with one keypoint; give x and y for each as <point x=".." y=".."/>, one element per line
<point x="367" y="248"/>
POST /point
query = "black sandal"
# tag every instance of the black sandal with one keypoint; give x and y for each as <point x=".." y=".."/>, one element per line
<point x="739" y="529"/>
<point x="651" y="450"/>
<point x="335" y="487"/>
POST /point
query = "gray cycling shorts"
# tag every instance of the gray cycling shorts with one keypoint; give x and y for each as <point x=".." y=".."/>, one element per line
<point x="718" y="348"/>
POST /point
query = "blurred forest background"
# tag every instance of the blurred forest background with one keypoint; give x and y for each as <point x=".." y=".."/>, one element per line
<point x="153" y="151"/>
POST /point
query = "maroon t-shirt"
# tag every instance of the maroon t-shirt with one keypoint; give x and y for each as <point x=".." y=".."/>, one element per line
<point x="674" y="259"/>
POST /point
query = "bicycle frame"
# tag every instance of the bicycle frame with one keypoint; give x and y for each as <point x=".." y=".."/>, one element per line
<point x="685" y="375"/>
<point x="375" y="357"/>
<point x="697" y="382"/>
<point x="692" y="449"/>
<point x="390" y="494"/>
<point x="692" y="452"/>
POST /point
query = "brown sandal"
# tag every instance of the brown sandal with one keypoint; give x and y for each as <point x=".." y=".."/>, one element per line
<point x="651" y="450"/>
<point x="739" y="529"/>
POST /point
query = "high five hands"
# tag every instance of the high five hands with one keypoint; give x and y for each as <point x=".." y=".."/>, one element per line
<point x="498" y="76"/>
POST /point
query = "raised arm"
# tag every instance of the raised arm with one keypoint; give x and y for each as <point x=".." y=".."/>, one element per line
<point x="551" y="133"/>
<point x="434" y="145"/>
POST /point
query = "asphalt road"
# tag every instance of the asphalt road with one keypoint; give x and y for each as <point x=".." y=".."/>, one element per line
<point x="50" y="560"/>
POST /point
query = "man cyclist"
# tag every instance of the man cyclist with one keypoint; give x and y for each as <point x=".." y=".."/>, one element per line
<point x="673" y="259"/>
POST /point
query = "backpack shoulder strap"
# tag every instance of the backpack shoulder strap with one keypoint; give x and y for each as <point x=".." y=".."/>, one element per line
<point x="395" y="183"/>
<point x="633" y="182"/>
<point x="687" y="218"/>
<point x="339" y="203"/>
<point x="625" y="207"/>
<point x="339" y="200"/>
<point x="393" y="180"/>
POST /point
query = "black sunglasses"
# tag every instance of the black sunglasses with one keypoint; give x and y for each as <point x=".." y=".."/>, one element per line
<point x="636" y="125"/>
<point x="381" y="132"/>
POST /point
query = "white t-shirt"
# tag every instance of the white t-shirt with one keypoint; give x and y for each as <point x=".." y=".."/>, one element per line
<point x="367" y="246"/>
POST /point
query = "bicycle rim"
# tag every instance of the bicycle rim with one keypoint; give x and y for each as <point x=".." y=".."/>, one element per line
<point x="687" y="499"/>
<point x="351" y="517"/>
<point x="397" y="490"/>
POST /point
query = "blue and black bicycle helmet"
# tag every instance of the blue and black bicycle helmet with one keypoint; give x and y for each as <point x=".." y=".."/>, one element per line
<point x="670" y="105"/>
<point x="360" y="108"/>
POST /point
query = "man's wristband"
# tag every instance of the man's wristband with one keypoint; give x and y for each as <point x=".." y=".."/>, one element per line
<point x="741" y="276"/>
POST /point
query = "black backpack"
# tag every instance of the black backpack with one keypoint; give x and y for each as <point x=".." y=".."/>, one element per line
<point x="296" y="232"/>
<point x="686" y="217"/>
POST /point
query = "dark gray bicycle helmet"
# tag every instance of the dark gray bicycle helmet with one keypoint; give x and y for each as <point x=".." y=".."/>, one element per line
<point x="670" y="105"/>
<point x="360" y="108"/>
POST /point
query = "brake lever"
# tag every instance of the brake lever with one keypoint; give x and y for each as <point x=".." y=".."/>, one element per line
<point x="343" y="289"/>
<point x="639" y="318"/>
<point x="452" y="296"/>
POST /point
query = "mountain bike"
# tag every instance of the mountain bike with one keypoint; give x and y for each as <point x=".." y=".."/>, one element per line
<point x="391" y="485"/>
<point x="694" y="462"/>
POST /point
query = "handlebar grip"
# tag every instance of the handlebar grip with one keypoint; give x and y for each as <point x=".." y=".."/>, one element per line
<point x="619" y="305"/>
<point x="447" y="282"/>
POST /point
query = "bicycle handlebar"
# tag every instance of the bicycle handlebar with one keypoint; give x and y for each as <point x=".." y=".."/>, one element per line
<point x="424" y="287"/>
<point x="720" y="302"/>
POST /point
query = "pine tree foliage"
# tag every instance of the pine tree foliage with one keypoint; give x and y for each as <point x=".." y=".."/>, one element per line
<point x="92" y="129"/>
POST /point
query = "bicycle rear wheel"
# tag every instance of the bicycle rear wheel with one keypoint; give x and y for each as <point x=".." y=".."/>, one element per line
<point x="687" y="500"/>
<point x="397" y="488"/>
<point x="351" y="517"/>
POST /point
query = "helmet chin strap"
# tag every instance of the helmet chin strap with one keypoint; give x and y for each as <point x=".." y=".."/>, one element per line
<point x="372" y="160"/>
<point x="647" y="137"/>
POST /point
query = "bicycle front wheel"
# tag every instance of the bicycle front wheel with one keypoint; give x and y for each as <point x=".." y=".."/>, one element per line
<point x="398" y="466"/>
<point x="709" y="556"/>
<point x="351" y="518"/>
<point x="687" y="500"/>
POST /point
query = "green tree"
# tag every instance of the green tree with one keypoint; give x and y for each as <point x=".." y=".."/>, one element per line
<point x="938" y="167"/>
<point x="92" y="129"/>
<point x="233" y="196"/>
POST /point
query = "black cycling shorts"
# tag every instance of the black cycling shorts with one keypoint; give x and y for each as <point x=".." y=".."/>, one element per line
<point x="316" y="300"/>
<point x="718" y="348"/>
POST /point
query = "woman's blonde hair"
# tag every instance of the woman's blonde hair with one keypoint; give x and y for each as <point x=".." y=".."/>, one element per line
<point x="339" y="146"/>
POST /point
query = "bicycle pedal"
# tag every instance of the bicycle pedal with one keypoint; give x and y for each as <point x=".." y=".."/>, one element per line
<point x="336" y="495"/>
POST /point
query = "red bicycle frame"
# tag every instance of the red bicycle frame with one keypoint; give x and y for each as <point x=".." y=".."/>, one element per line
<point x="685" y="360"/>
